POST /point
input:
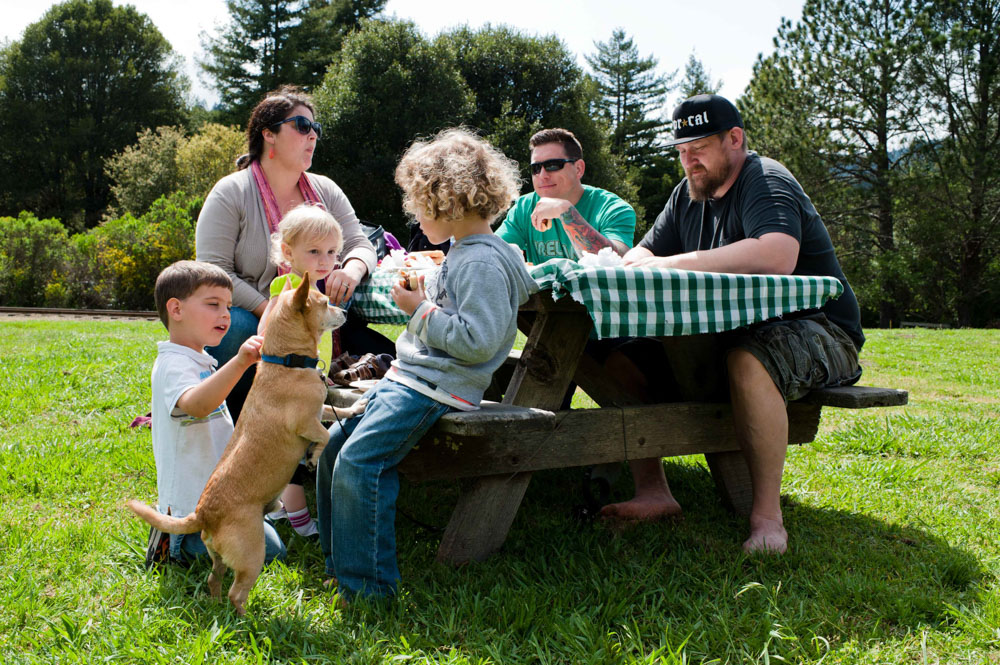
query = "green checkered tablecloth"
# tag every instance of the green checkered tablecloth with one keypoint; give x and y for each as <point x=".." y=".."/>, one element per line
<point x="646" y="301"/>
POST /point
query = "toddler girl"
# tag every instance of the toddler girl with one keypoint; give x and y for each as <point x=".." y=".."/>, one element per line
<point x="309" y="240"/>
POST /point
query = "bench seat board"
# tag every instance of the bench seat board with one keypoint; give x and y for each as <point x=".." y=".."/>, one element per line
<point x="590" y="436"/>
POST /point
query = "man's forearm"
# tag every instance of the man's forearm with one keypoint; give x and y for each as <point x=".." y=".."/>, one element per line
<point x="584" y="237"/>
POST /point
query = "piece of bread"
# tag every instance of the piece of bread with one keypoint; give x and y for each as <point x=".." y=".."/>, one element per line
<point x="409" y="280"/>
<point x="435" y="255"/>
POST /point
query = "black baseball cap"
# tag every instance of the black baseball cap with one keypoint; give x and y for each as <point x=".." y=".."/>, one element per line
<point x="703" y="115"/>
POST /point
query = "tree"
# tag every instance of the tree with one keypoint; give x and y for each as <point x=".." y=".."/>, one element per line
<point x="522" y="84"/>
<point x="79" y="86"/>
<point x="144" y="171"/>
<point x="697" y="80"/>
<point x="269" y="43"/>
<point x="165" y="161"/>
<point x="249" y="58"/>
<point x="857" y="60"/>
<point x="387" y="86"/>
<point x="208" y="156"/>
<point x="632" y="98"/>
<point x="954" y="198"/>
<point x="320" y="35"/>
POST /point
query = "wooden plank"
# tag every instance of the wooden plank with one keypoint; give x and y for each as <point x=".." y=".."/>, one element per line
<point x="857" y="397"/>
<point x="586" y="437"/>
<point x="494" y="420"/>
<point x="482" y="518"/>
<point x="732" y="480"/>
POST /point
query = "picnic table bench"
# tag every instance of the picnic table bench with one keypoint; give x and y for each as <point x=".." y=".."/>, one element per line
<point x="502" y="444"/>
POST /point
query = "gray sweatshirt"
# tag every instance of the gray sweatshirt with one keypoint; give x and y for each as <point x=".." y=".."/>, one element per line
<point x="459" y="336"/>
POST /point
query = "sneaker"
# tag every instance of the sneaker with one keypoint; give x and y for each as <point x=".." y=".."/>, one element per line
<point x="158" y="548"/>
<point x="278" y="514"/>
<point x="308" y="531"/>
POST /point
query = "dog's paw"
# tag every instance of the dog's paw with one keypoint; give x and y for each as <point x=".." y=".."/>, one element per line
<point x="312" y="461"/>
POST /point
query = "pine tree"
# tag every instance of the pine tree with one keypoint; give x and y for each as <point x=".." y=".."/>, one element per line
<point x="632" y="98"/>
<point x="269" y="43"/>
<point x="697" y="80"/>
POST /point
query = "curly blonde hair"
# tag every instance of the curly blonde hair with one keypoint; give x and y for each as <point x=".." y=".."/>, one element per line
<point x="302" y="223"/>
<point x="456" y="174"/>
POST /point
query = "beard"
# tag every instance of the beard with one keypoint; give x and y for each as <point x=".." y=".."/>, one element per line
<point x="704" y="182"/>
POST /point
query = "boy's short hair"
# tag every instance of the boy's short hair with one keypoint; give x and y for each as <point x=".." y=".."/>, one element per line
<point x="571" y="145"/>
<point x="303" y="222"/>
<point x="457" y="173"/>
<point x="181" y="279"/>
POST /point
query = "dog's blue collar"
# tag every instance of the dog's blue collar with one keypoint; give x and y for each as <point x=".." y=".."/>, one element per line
<point x="292" y="360"/>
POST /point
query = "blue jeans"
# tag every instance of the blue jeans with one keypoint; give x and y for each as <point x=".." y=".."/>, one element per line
<point x="189" y="546"/>
<point x="357" y="485"/>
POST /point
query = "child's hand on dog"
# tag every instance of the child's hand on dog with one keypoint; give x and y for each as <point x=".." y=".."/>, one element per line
<point x="249" y="352"/>
<point x="406" y="299"/>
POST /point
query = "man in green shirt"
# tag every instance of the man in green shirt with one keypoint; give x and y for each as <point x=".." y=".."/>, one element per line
<point x="564" y="218"/>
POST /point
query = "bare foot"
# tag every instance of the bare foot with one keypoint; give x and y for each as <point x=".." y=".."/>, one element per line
<point x="766" y="535"/>
<point x="644" y="508"/>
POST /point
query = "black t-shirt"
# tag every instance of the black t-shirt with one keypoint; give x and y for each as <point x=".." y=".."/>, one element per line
<point x="765" y="198"/>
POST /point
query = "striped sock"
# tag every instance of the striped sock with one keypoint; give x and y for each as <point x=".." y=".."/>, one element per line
<point x="302" y="522"/>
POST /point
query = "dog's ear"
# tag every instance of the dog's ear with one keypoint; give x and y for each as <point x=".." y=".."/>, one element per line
<point x="287" y="286"/>
<point x="302" y="293"/>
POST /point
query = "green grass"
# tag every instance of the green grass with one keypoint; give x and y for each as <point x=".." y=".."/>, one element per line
<point x="893" y="517"/>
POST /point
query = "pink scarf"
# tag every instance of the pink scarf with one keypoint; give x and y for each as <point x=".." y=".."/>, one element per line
<point x="271" y="209"/>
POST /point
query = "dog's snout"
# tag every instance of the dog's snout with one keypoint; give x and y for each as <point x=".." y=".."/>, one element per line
<point x="335" y="316"/>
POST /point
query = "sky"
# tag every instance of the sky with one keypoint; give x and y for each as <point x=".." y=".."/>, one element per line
<point x="726" y="35"/>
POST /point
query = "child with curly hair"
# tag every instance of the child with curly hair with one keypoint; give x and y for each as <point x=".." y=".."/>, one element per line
<point x="462" y="325"/>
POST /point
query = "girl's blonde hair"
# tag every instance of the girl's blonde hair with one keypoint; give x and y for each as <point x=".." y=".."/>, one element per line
<point x="303" y="223"/>
<point x="455" y="174"/>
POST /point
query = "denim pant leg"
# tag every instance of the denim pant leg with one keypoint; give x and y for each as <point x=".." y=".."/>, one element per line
<point x="242" y="324"/>
<point x="190" y="546"/>
<point x="324" y="482"/>
<point x="366" y="484"/>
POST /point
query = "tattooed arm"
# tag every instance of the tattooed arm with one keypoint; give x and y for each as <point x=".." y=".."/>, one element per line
<point x="585" y="238"/>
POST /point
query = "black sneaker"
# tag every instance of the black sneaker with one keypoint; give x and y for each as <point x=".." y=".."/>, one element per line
<point x="158" y="548"/>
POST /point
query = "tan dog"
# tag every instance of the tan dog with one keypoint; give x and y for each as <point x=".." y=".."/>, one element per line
<point x="280" y="419"/>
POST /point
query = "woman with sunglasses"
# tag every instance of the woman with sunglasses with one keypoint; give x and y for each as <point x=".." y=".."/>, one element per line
<point x="244" y="208"/>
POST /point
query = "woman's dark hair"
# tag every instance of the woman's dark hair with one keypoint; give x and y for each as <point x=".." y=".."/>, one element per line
<point x="274" y="108"/>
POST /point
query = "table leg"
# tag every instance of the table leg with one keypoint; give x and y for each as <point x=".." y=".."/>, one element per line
<point x="732" y="480"/>
<point x="484" y="514"/>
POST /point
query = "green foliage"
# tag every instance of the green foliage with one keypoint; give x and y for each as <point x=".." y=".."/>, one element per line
<point x="145" y="170"/>
<point x="208" y="156"/>
<point x="858" y="59"/>
<point x="165" y="161"/>
<point x="269" y="43"/>
<point x="32" y="255"/>
<point x="128" y="253"/>
<point x="78" y="87"/>
<point x="632" y="99"/>
<point x="697" y="80"/>
<point x="522" y="84"/>
<point x="387" y="86"/>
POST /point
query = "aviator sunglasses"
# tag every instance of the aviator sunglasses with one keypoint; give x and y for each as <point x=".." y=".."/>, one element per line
<point x="550" y="165"/>
<point x="302" y="125"/>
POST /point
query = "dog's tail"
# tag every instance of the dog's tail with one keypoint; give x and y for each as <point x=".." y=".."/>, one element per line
<point x="189" y="524"/>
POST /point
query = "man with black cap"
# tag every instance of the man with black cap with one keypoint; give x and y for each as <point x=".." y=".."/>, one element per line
<point x="737" y="212"/>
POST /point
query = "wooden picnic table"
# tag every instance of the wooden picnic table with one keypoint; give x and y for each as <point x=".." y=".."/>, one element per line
<point x="501" y="445"/>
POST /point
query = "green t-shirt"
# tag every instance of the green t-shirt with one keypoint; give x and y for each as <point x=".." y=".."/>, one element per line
<point x="606" y="212"/>
<point x="278" y="283"/>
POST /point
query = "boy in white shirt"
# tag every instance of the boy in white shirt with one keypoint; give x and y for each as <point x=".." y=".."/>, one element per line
<point x="191" y="424"/>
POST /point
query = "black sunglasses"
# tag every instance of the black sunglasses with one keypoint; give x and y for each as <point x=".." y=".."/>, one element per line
<point x="302" y="125"/>
<point x="550" y="165"/>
